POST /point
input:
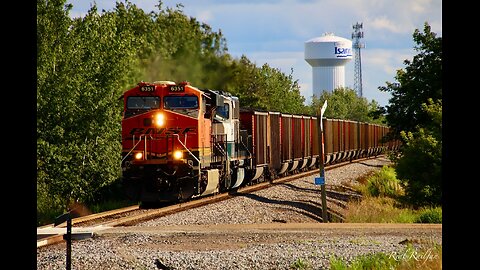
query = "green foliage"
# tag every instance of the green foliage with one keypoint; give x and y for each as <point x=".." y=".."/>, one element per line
<point x="420" y="165"/>
<point x="82" y="66"/>
<point x="415" y="116"/>
<point x="419" y="81"/>
<point x="265" y="88"/>
<point x="430" y="215"/>
<point x="300" y="264"/>
<point x="384" y="183"/>
<point x="378" y="261"/>
<point x="85" y="64"/>
<point x="343" y="103"/>
<point x="48" y="207"/>
<point x="183" y="49"/>
<point x="385" y="200"/>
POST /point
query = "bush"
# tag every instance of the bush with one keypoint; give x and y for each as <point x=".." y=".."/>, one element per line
<point x="430" y="215"/>
<point x="48" y="206"/>
<point x="420" y="165"/>
<point x="384" y="183"/>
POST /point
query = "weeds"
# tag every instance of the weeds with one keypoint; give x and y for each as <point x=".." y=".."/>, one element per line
<point x="300" y="264"/>
<point x="384" y="201"/>
<point x="410" y="258"/>
<point x="430" y="215"/>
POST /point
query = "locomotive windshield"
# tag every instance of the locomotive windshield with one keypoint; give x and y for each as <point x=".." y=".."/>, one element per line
<point x="139" y="104"/>
<point x="223" y="111"/>
<point x="180" y="102"/>
<point x="143" y="103"/>
<point x="187" y="105"/>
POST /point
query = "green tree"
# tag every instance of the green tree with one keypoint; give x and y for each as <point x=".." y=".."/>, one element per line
<point x="419" y="81"/>
<point x="180" y="48"/>
<point x="420" y="166"/>
<point x="82" y="66"/>
<point x="265" y="88"/>
<point x="414" y="114"/>
<point x="343" y="103"/>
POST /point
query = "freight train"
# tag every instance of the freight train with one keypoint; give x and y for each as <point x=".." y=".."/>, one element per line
<point x="181" y="142"/>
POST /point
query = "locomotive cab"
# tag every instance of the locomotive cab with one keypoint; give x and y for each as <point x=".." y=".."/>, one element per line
<point x="165" y="140"/>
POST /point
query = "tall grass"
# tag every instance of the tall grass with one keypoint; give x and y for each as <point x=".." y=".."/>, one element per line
<point x="384" y="201"/>
<point x="378" y="209"/>
<point x="383" y="183"/>
<point x="429" y="215"/>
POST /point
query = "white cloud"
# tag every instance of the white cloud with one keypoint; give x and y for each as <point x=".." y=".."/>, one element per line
<point x="274" y="31"/>
<point x="204" y="16"/>
<point x="383" y="23"/>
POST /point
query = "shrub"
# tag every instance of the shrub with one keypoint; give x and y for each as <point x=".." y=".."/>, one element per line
<point x="384" y="183"/>
<point x="430" y="215"/>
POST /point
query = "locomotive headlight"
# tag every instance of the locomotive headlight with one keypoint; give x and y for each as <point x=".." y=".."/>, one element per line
<point x="159" y="119"/>
<point x="177" y="154"/>
<point x="138" y="155"/>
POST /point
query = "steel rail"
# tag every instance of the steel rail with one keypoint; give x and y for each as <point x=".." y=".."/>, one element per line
<point x="156" y="213"/>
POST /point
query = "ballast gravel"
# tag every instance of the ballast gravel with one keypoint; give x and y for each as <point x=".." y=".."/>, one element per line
<point x="275" y="228"/>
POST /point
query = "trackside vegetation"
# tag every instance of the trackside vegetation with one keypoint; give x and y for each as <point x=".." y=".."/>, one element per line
<point x="384" y="200"/>
<point x="428" y="256"/>
<point x="84" y="64"/>
<point x="415" y="256"/>
<point x="414" y="114"/>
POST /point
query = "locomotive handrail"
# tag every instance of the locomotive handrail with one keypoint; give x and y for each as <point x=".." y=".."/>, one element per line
<point x="224" y="152"/>
<point x="246" y="148"/>
<point x="139" y="141"/>
<point x="184" y="146"/>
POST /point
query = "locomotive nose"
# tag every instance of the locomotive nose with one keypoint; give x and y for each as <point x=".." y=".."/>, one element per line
<point x="159" y="119"/>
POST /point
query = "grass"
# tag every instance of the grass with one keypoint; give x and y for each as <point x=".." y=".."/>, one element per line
<point x="429" y="215"/>
<point x="383" y="201"/>
<point x="410" y="258"/>
<point x="381" y="183"/>
<point x="378" y="209"/>
<point x="300" y="264"/>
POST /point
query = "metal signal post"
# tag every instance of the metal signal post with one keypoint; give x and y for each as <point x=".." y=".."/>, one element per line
<point x="67" y="237"/>
<point x="321" y="180"/>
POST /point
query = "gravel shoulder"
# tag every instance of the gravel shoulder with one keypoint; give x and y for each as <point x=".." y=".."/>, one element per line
<point x="267" y="229"/>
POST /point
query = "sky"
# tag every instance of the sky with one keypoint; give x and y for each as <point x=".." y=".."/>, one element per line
<point x="275" y="32"/>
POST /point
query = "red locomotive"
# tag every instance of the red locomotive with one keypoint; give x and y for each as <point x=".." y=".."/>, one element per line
<point x="180" y="142"/>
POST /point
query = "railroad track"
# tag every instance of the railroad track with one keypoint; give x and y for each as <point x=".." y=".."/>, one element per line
<point x="128" y="216"/>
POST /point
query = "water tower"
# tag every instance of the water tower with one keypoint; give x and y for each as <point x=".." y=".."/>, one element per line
<point x="328" y="56"/>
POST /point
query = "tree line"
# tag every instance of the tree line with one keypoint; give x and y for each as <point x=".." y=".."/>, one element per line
<point x="84" y="65"/>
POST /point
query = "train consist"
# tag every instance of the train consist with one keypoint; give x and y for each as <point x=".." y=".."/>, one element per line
<point x="181" y="142"/>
